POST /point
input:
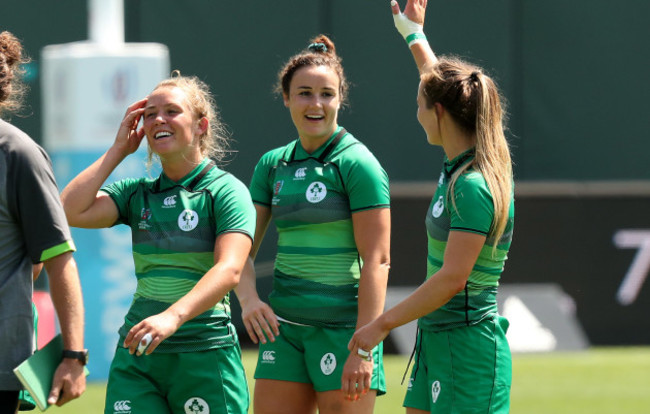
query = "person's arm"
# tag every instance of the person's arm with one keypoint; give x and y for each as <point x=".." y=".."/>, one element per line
<point x="69" y="380"/>
<point x="461" y="253"/>
<point x="372" y="237"/>
<point x="410" y="25"/>
<point x="258" y="317"/>
<point x="231" y="251"/>
<point x="87" y="207"/>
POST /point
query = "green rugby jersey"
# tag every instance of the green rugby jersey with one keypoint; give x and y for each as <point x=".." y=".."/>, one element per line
<point x="174" y="226"/>
<point x="312" y="198"/>
<point x="473" y="212"/>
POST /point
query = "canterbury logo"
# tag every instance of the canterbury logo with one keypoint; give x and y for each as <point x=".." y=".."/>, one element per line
<point x="268" y="356"/>
<point x="122" y="406"/>
<point x="301" y="172"/>
<point x="170" y="201"/>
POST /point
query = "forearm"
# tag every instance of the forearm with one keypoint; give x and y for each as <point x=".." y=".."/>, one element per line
<point x="65" y="289"/>
<point x="246" y="289"/>
<point x="423" y="56"/>
<point x="430" y="296"/>
<point x="211" y="289"/>
<point x="80" y="193"/>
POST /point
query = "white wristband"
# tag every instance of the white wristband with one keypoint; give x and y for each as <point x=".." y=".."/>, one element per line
<point x="410" y="31"/>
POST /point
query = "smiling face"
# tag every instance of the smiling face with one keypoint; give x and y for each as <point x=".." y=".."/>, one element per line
<point x="313" y="102"/>
<point x="170" y="124"/>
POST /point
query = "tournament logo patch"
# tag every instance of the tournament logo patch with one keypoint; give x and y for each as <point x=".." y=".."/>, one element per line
<point x="278" y="187"/>
<point x="188" y="220"/>
<point x="196" y="405"/>
<point x="316" y="192"/>
<point x="438" y="208"/>
<point x="145" y="216"/>
<point x="328" y="363"/>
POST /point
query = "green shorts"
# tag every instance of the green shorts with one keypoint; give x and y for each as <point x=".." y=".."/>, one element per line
<point x="313" y="355"/>
<point x="205" y="382"/>
<point x="463" y="370"/>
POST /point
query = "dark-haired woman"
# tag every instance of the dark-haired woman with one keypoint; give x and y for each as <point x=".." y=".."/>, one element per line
<point x="463" y="362"/>
<point x="329" y="199"/>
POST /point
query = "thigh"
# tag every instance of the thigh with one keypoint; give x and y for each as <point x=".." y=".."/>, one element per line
<point x="211" y="381"/>
<point x="334" y="402"/>
<point x="283" y="397"/>
<point x="132" y="386"/>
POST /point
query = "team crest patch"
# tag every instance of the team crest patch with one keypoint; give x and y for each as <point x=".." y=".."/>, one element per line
<point x="196" y="405"/>
<point x="188" y="220"/>
<point x="328" y="363"/>
<point x="316" y="192"/>
<point x="438" y="208"/>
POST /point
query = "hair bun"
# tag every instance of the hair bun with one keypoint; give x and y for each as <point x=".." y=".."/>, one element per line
<point x="318" y="47"/>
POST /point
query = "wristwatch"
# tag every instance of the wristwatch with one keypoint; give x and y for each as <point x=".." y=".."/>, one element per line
<point x="81" y="356"/>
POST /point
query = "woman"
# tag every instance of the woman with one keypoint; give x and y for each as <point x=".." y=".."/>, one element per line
<point x="329" y="199"/>
<point x="463" y="362"/>
<point x="192" y="230"/>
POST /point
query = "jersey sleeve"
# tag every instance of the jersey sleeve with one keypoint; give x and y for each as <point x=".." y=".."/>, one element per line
<point x="261" y="190"/>
<point x="365" y="180"/>
<point x="120" y="192"/>
<point x="474" y="209"/>
<point x="38" y="206"/>
<point x="234" y="210"/>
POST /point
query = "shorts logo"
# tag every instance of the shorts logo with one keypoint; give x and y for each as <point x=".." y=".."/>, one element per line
<point x="188" y="220"/>
<point x="300" y="173"/>
<point x="169" y="202"/>
<point x="328" y="363"/>
<point x="410" y="384"/>
<point x="316" y="192"/>
<point x="435" y="391"/>
<point x="268" y="357"/>
<point x="122" y="407"/>
<point x="438" y="208"/>
<point x="196" y="405"/>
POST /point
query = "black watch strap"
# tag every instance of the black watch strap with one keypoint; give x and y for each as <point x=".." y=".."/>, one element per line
<point x="81" y="356"/>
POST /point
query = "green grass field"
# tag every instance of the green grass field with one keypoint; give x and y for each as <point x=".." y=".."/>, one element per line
<point x="598" y="381"/>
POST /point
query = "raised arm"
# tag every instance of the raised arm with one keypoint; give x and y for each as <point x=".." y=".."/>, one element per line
<point x="85" y="206"/>
<point x="410" y="25"/>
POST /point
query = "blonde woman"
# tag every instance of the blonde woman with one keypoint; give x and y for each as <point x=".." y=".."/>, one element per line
<point x="192" y="230"/>
<point x="463" y="362"/>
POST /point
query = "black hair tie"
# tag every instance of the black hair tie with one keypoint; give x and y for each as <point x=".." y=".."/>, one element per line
<point x="318" y="47"/>
<point x="474" y="76"/>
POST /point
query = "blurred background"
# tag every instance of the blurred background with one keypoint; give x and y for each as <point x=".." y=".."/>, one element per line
<point x="573" y="75"/>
